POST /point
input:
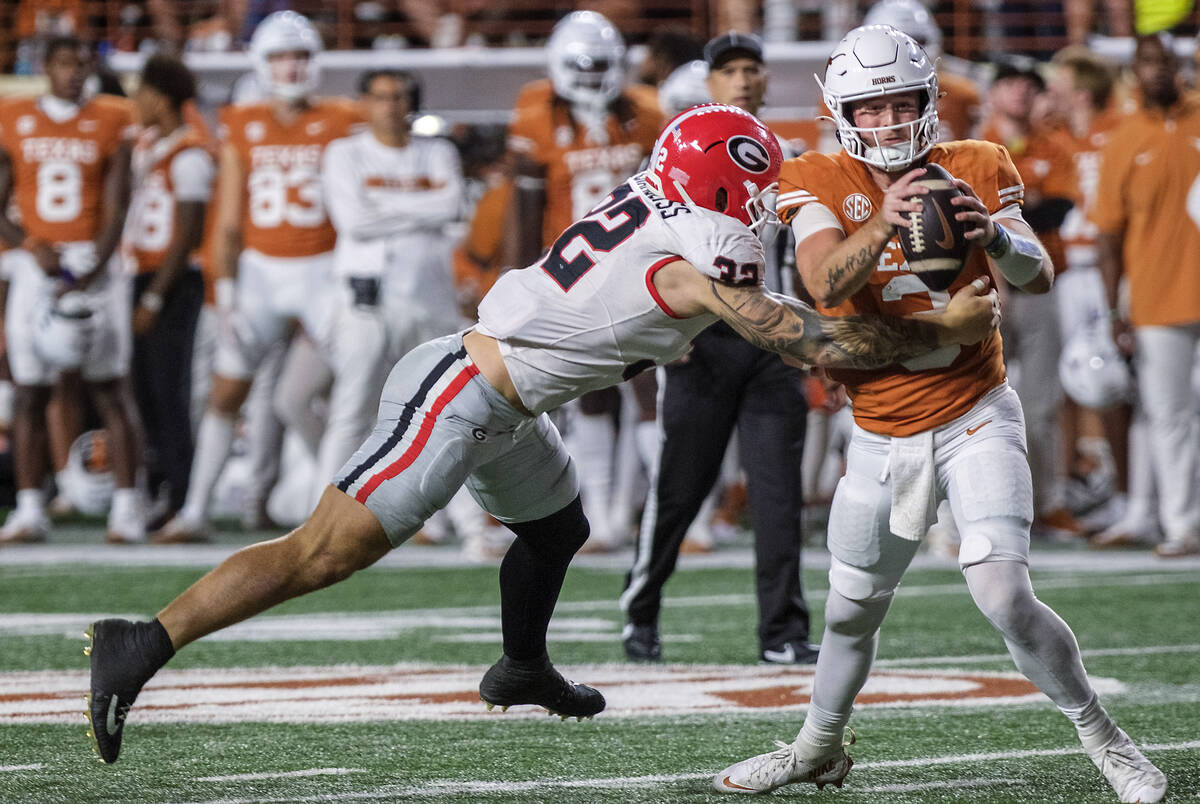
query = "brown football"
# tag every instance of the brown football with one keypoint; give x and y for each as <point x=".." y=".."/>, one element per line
<point x="935" y="246"/>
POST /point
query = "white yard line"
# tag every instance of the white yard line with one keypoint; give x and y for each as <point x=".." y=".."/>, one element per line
<point x="250" y="777"/>
<point x="620" y="782"/>
<point x="14" y="768"/>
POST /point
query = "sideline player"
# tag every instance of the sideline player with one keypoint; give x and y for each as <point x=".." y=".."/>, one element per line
<point x="1150" y="233"/>
<point x="173" y="174"/>
<point x="272" y="234"/>
<point x="390" y="194"/>
<point x="573" y="137"/>
<point x="665" y="255"/>
<point x="942" y="426"/>
<point x="724" y="383"/>
<point x="66" y="160"/>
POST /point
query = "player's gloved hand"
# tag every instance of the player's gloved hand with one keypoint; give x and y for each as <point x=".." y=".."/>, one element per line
<point x="972" y="314"/>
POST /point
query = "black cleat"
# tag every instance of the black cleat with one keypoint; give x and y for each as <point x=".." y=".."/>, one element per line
<point x="510" y="682"/>
<point x="642" y="643"/>
<point x="124" y="657"/>
<point x="789" y="653"/>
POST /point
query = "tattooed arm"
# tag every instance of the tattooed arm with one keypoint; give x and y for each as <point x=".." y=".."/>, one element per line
<point x="834" y="267"/>
<point x="792" y="328"/>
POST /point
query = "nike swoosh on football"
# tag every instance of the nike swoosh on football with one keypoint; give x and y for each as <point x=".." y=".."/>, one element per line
<point x="110" y="723"/>
<point x="946" y="241"/>
<point x="786" y="656"/>
<point x="734" y="785"/>
<point x="973" y="430"/>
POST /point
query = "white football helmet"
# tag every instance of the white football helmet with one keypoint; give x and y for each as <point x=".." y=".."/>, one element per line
<point x="286" y="32"/>
<point x="685" y="87"/>
<point x="89" y="481"/>
<point x="586" y="59"/>
<point x="911" y="17"/>
<point x="64" y="330"/>
<point x="1092" y="371"/>
<point x="873" y="61"/>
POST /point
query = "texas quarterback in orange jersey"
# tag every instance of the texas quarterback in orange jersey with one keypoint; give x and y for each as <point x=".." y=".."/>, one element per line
<point x="66" y="163"/>
<point x="945" y="427"/>
<point x="272" y="233"/>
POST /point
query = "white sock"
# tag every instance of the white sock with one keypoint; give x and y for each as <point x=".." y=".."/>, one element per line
<point x="31" y="502"/>
<point x="590" y="441"/>
<point x="213" y="442"/>
<point x="1096" y="729"/>
<point x="821" y="730"/>
<point x="62" y="479"/>
<point x="125" y="504"/>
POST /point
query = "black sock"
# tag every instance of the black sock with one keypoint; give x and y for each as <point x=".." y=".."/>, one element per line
<point x="531" y="577"/>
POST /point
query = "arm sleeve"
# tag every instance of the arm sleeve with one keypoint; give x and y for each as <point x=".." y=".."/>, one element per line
<point x="192" y="175"/>
<point x="812" y="218"/>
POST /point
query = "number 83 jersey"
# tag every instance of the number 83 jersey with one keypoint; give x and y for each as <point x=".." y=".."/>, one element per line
<point x="59" y="167"/>
<point x="284" y="212"/>
<point x="588" y="316"/>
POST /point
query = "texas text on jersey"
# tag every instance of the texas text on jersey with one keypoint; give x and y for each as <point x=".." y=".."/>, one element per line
<point x="59" y="167"/>
<point x="284" y="211"/>
<point x="588" y="315"/>
<point x="933" y="389"/>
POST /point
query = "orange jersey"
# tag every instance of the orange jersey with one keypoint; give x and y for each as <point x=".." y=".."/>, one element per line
<point x="580" y="173"/>
<point x="284" y="213"/>
<point x="1044" y="160"/>
<point x="958" y="107"/>
<point x="1078" y="232"/>
<point x="927" y="391"/>
<point x="150" y="227"/>
<point x="59" y="168"/>
<point x="1148" y="192"/>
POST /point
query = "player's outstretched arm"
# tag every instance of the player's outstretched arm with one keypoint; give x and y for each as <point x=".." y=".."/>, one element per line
<point x="792" y="328"/>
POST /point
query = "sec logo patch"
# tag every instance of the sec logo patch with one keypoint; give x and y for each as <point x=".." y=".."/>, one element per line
<point x="857" y="207"/>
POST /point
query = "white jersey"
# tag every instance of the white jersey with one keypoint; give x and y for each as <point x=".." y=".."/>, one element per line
<point x="587" y="315"/>
<point x="386" y="202"/>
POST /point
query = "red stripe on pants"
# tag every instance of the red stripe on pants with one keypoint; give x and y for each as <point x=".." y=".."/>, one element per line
<point x="418" y="444"/>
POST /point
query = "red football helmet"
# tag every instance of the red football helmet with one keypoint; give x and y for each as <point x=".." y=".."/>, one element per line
<point x="721" y="158"/>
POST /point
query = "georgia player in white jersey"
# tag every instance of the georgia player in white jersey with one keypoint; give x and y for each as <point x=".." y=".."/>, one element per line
<point x="666" y="254"/>
<point x="272" y="234"/>
<point x="389" y="194"/>
<point x="66" y="164"/>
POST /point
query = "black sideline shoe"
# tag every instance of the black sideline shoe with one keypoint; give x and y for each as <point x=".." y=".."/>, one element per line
<point x="642" y="643"/>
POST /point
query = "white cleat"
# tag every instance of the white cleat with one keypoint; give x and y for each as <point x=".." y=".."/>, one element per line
<point x="1129" y="772"/>
<point x="765" y="772"/>
<point x="181" y="530"/>
<point x="127" y="529"/>
<point x="21" y="527"/>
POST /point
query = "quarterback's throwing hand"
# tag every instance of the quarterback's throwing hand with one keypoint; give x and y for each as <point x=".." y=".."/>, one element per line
<point x="898" y="201"/>
<point x="973" y="312"/>
<point x="980" y="226"/>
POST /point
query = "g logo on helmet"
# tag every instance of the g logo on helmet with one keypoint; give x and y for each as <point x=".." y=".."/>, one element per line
<point x="748" y="153"/>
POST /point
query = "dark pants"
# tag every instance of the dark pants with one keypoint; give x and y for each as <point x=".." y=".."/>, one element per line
<point x="726" y="382"/>
<point x="162" y="384"/>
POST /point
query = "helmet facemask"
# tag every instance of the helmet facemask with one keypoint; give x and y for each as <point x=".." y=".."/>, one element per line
<point x="878" y="61"/>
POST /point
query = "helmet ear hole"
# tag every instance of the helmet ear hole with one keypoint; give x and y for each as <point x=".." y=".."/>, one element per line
<point x="721" y="200"/>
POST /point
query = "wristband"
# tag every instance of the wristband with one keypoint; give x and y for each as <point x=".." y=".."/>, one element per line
<point x="998" y="246"/>
<point x="223" y="291"/>
<point x="151" y="301"/>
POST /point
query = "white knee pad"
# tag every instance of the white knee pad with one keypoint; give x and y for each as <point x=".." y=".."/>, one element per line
<point x="994" y="539"/>
<point x="858" y="584"/>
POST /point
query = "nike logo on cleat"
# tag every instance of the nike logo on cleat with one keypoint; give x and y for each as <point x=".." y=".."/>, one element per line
<point x="733" y="785"/>
<point x="110" y="723"/>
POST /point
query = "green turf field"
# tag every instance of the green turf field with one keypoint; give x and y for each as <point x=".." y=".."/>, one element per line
<point x="366" y="691"/>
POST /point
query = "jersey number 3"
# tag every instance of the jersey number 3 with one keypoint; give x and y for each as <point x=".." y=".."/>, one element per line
<point x="603" y="229"/>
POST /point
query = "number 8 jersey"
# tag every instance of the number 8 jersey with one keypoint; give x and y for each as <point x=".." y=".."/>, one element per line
<point x="835" y="191"/>
<point x="588" y="315"/>
<point x="59" y="167"/>
<point x="284" y="211"/>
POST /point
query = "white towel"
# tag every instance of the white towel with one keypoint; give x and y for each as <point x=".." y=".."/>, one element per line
<point x="910" y="463"/>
